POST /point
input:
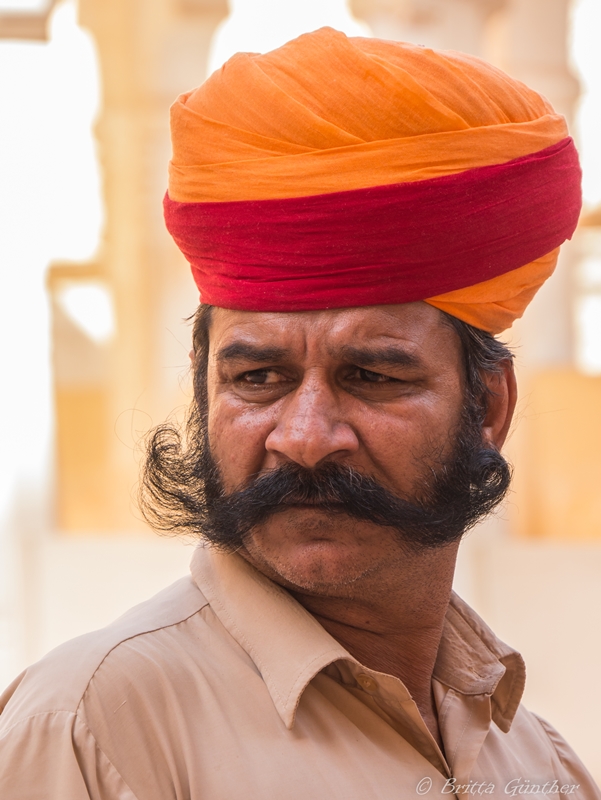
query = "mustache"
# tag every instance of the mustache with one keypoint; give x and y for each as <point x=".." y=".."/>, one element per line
<point x="182" y="489"/>
<point x="336" y="489"/>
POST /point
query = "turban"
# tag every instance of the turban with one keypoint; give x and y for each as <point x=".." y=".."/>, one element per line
<point x="336" y="172"/>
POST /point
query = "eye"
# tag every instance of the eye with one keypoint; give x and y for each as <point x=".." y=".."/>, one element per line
<point x="261" y="377"/>
<point x="373" y="377"/>
<point x="264" y="385"/>
<point x="377" y="386"/>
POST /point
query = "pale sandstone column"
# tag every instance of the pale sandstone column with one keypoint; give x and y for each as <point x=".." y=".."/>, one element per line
<point x="535" y="50"/>
<point x="458" y="25"/>
<point x="149" y="52"/>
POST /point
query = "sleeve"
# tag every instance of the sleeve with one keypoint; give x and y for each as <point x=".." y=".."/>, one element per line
<point x="586" y="788"/>
<point x="53" y="756"/>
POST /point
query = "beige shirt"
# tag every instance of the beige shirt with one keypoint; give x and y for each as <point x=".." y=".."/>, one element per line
<point x="223" y="687"/>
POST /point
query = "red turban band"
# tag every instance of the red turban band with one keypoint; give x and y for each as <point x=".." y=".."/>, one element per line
<point x="339" y="172"/>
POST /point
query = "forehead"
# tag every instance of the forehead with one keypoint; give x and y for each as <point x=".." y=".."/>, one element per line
<point x="417" y="328"/>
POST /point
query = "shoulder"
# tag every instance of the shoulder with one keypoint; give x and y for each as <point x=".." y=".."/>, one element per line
<point x="59" y="681"/>
<point x="574" y="767"/>
<point x="539" y="747"/>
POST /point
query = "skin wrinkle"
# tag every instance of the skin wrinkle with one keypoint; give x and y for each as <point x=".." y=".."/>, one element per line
<point x="307" y="417"/>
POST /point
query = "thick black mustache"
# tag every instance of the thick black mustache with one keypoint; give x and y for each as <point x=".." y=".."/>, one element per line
<point x="332" y="488"/>
<point x="457" y="498"/>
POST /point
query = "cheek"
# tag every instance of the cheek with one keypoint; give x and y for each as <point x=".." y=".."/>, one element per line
<point x="237" y="439"/>
<point x="405" y="447"/>
<point x="392" y="447"/>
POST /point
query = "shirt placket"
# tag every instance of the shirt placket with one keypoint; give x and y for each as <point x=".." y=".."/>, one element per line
<point x="389" y="697"/>
<point x="464" y="722"/>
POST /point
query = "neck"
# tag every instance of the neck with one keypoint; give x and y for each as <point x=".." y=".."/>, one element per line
<point x="392" y="621"/>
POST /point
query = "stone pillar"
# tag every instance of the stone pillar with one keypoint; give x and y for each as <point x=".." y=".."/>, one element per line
<point x="457" y="25"/>
<point x="148" y="52"/>
<point x="535" y="50"/>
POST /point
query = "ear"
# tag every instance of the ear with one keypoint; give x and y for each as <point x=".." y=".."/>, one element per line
<point x="191" y="356"/>
<point x="501" y="400"/>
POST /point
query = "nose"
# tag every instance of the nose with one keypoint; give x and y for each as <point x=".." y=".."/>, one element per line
<point x="310" y="429"/>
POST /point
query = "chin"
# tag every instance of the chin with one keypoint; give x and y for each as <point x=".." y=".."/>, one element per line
<point x="317" y="552"/>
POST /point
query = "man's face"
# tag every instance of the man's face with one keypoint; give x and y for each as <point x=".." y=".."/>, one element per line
<point x="379" y="389"/>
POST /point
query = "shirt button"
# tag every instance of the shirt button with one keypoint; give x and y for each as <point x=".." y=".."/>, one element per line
<point x="366" y="682"/>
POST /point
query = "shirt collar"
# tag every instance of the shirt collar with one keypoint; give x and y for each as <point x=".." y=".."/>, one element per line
<point x="289" y="646"/>
<point x="472" y="660"/>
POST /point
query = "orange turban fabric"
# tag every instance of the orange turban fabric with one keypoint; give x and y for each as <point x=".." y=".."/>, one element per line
<point x="344" y="172"/>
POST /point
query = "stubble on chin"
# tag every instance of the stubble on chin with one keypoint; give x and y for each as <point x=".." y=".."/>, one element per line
<point x="321" y="555"/>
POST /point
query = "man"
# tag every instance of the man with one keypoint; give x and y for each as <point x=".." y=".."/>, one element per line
<point x="360" y="217"/>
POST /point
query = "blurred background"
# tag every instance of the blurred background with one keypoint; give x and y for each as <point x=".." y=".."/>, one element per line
<point x="93" y="298"/>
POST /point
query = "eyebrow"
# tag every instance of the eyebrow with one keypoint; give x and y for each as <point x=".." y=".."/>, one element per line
<point x="241" y="351"/>
<point x="361" y="356"/>
<point x="380" y="357"/>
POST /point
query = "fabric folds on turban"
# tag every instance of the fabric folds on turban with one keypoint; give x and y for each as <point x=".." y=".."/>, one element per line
<point x="338" y="172"/>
